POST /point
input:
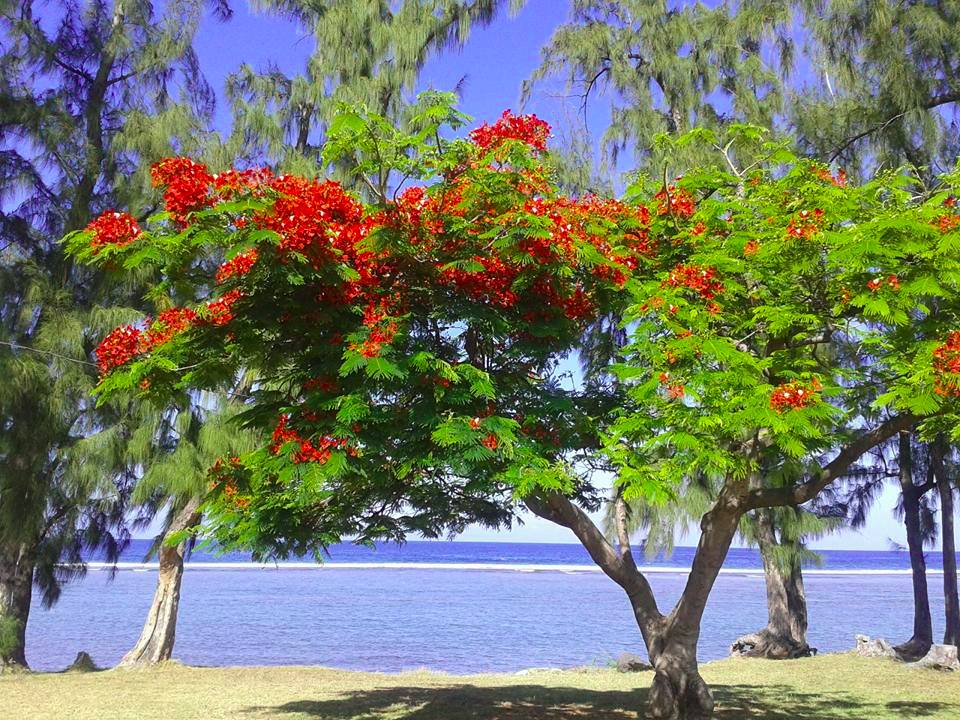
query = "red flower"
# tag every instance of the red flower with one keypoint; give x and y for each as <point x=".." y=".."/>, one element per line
<point x="528" y="129"/>
<point x="794" y="395"/>
<point x="675" y="391"/>
<point x="168" y="323"/>
<point x="187" y="185"/>
<point x="874" y="285"/>
<point x="474" y="423"/>
<point x="219" y="311"/>
<point x="118" y="348"/>
<point x="238" y="265"/>
<point x="491" y="442"/>
<point x="805" y="224"/>
<point x="751" y="247"/>
<point x="697" y="278"/>
<point x="113" y="228"/>
<point x="946" y="363"/>
<point x="675" y="201"/>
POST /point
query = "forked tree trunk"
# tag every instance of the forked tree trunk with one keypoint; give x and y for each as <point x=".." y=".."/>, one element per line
<point x="951" y="635"/>
<point x="678" y="691"/>
<point x="16" y="590"/>
<point x="918" y="645"/>
<point x="159" y="631"/>
<point x="785" y="635"/>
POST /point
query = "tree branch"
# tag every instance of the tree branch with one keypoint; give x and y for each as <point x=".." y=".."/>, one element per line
<point x="935" y="101"/>
<point x="799" y="494"/>
<point x="561" y="510"/>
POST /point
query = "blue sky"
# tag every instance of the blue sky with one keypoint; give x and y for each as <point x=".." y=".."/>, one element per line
<point x="493" y="65"/>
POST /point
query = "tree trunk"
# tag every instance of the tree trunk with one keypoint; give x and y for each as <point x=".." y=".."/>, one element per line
<point x="159" y="631"/>
<point x="918" y="645"/>
<point x="16" y="590"/>
<point x="785" y="635"/>
<point x="678" y="691"/>
<point x="951" y="635"/>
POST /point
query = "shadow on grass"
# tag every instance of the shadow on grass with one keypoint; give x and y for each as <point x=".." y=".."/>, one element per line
<point x="536" y="702"/>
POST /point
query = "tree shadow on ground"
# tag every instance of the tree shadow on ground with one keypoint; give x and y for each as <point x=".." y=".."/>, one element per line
<point x="537" y="702"/>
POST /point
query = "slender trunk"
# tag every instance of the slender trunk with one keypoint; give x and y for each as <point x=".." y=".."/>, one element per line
<point x="16" y="590"/>
<point x="785" y="635"/>
<point x="918" y="645"/>
<point x="951" y="635"/>
<point x="159" y="631"/>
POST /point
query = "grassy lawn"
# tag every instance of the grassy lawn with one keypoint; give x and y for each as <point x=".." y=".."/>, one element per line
<point x="829" y="687"/>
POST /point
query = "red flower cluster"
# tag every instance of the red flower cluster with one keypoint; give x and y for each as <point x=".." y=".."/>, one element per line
<point x="168" y="323"/>
<point x="751" y="247"/>
<point x="528" y="129"/>
<point x="892" y="282"/>
<point x="794" y="395"/>
<point x="238" y="265"/>
<point x="220" y="311"/>
<point x="700" y="279"/>
<point x="675" y="390"/>
<point x="946" y="363"/>
<point x="127" y="341"/>
<point x="490" y="285"/>
<point x="186" y="185"/>
<point x="113" y="228"/>
<point x="946" y="223"/>
<point x="323" y="384"/>
<point x="675" y="201"/>
<point x="234" y="182"/>
<point x="839" y="180"/>
<point x="308" y="451"/>
<point x="491" y="442"/>
<point x="805" y="224"/>
<point x="309" y="215"/>
<point x="382" y="330"/>
<point x="118" y="348"/>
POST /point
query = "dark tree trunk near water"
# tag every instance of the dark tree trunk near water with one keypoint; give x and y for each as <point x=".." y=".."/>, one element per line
<point x="678" y="691"/>
<point x="951" y="635"/>
<point x="918" y="645"/>
<point x="159" y="631"/>
<point x="785" y="635"/>
<point x="16" y="591"/>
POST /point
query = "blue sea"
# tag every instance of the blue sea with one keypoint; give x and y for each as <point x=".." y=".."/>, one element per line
<point x="454" y="606"/>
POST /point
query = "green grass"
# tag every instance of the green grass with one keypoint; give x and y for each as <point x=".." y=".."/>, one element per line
<point x="830" y="687"/>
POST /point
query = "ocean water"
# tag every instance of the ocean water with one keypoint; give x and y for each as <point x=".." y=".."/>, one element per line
<point x="459" y="607"/>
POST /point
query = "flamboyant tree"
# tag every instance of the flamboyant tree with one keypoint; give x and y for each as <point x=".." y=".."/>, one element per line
<point x="407" y="351"/>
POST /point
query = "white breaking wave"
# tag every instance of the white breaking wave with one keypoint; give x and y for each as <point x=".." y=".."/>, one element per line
<point x="481" y="567"/>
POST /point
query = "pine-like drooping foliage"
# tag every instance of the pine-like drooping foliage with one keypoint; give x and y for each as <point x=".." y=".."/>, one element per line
<point x="88" y="92"/>
<point x="669" y="67"/>
<point x="886" y="90"/>
<point x="367" y="52"/>
<point x="863" y="83"/>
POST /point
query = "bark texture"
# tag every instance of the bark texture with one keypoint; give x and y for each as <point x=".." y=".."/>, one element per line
<point x="921" y="640"/>
<point x="16" y="590"/>
<point x="951" y="635"/>
<point x="160" y="629"/>
<point x="785" y="635"/>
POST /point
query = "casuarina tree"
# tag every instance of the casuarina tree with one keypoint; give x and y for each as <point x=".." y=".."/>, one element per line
<point x="408" y="351"/>
<point x="88" y="92"/>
